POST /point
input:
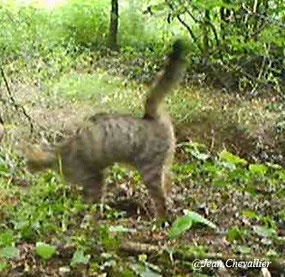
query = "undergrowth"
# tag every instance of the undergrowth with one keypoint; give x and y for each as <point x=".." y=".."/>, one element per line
<point x="42" y="217"/>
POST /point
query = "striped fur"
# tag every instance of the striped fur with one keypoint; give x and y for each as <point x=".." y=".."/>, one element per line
<point x="147" y="143"/>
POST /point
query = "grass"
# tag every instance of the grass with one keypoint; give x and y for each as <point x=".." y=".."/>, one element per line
<point x="99" y="89"/>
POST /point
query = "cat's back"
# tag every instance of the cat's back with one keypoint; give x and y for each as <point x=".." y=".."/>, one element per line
<point x="125" y="138"/>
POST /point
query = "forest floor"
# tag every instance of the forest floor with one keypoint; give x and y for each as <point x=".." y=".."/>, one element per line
<point x="44" y="231"/>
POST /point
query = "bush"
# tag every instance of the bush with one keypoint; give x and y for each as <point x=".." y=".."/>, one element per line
<point x="83" y="22"/>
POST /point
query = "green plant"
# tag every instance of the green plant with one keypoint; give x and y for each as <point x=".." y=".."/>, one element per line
<point x="84" y="23"/>
<point x="44" y="250"/>
<point x="184" y="223"/>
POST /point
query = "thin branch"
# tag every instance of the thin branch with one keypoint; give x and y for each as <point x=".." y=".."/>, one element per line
<point x="185" y="25"/>
<point x="212" y="27"/>
<point x="189" y="30"/>
<point x="1" y="120"/>
<point x="208" y="22"/>
<point x="2" y="132"/>
<point x="263" y="17"/>
<point x="261" y="72"/>
<point x="17" y="106"/>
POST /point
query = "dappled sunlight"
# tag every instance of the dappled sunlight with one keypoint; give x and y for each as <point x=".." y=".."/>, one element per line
<point x="49" y="4"/>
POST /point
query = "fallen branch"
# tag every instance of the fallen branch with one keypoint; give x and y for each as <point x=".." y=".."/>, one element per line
<point x="176" y="254"/>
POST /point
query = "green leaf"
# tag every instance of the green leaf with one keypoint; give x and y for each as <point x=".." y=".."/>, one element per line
<point x="251" y="189"/>
<point x="272" y="253"/>
<point x="242" y="249"/>
<point x="220" y="183"/>
<point x="121" y="229"/>
<point x="144" y="271"/>
<point x="234" y="234"/>
<point x="269" y="222"/>
<point x="196" y="218"/>
<point x="282" y="215"/>
<point x="259" y="169"/>
<point x="142" y="258"/>
<point x="180" y="226"/>
<point x="264" y="231"/>
<point x="185" y="222"/>
<point x="231" y="158"/>
<point x="9" y="252"/>
<point x="3" y="265"/>
<point x="44" y="250"/>
<point x="249" y="214"/>
<point x="80" y="258"/>
<point x="158" y="7"/>
<point x="274" y="166"/>
<point x="281" y="174"/>
<point x="200" y="156"/>
<point x="150" y="273"/>
<point x="211" y="4"/>
<point x="6" y="238"/>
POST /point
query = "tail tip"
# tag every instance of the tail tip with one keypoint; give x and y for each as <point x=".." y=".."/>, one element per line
<point x="178" y="48"/>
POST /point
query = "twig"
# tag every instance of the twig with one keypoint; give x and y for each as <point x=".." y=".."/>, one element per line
<point x="185" y="25"/>
<point x="2" y="131"/>
<point x="189" y="30"/>
<point x="259" y="75"/>
<point x="212" y="27"/>
<point x="263" y="17"/>
<point x="1" y="120"/>
<point x="17" y="106"/>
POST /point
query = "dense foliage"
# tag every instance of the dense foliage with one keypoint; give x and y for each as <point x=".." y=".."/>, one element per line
<point x="236" y="44"/>
<point x="44" y="223"/>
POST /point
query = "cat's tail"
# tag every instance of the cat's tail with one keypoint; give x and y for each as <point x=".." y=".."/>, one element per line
<point x="165" y="81"/>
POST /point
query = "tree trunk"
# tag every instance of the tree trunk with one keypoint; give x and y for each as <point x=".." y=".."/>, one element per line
<point x="114" y="23"/>
<point x="206" y="36"/>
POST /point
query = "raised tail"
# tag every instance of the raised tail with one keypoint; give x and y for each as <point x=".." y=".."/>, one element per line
<point x="166" y="80"/>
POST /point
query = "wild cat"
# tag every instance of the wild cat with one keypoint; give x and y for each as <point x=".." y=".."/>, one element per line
<point x="147" y="143"/>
